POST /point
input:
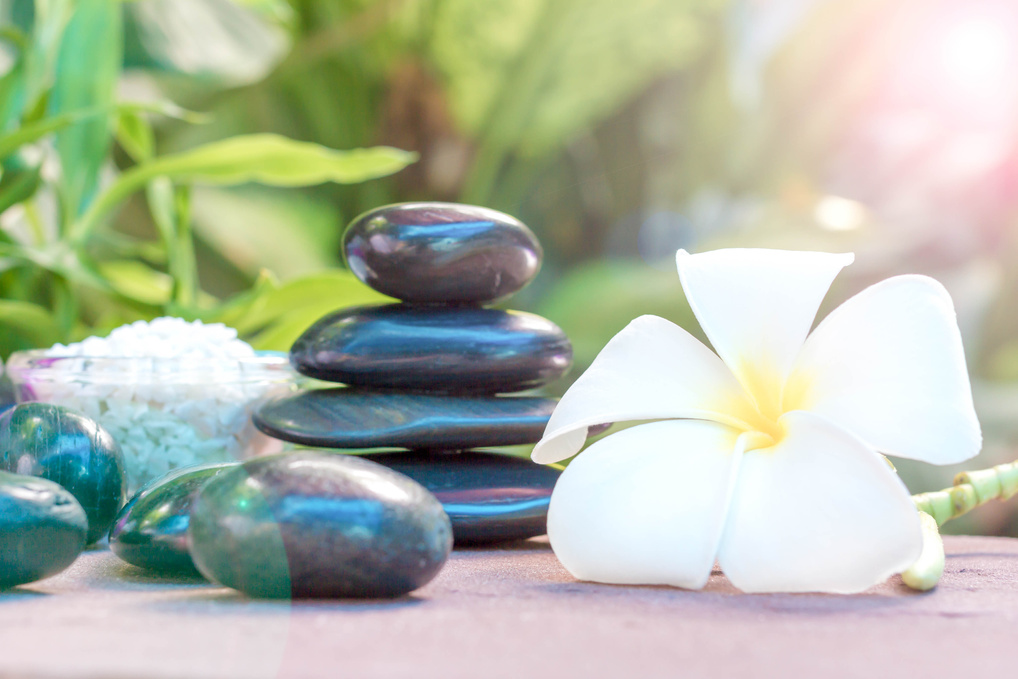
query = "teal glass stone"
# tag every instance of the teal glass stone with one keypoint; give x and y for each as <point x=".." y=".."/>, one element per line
<point x="151" y="530"/>
<point x="64" y="446"/>
<point x="42" y="529"/>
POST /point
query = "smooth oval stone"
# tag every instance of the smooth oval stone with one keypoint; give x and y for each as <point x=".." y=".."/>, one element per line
<point x="435" y="349"/>
<point x="488" y="497"/>
<point x="354" y="418"/>
<point x="441" y="253"/>
<point x="64" y="446"/>
<point x="151" y="529"/>
<point x="42" y="529"/>
<point x="312" y="524"/>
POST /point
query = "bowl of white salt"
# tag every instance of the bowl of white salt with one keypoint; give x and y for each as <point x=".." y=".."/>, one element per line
<point x="172" y="393"/>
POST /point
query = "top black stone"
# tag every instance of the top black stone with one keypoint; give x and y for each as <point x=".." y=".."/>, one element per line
<point x="441" y="253"/>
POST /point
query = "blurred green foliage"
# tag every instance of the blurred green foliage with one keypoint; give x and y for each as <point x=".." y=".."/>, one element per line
<point x="65" y="271"/>
<point x="492" y="96"/>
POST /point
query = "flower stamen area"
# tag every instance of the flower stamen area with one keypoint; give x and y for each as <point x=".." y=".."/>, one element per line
<point x="770" y="397"/>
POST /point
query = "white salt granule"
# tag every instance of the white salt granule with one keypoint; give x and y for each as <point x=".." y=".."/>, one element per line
<point x="172" y="393"/>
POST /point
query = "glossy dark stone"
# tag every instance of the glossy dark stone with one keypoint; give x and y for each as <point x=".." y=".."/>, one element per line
<point x="64" y="446"/>
<point x="353" y="418"/>
<point x="435" y="349"/>
<point x="151" y="529"/>
<point x="313" y="524"/>
<point x="488" y="497"/>
<point x="42" y="529"/>
<point x="441" y="253"/>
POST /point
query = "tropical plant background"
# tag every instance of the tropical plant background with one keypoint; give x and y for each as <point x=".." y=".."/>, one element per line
<point x="200" y="157"/>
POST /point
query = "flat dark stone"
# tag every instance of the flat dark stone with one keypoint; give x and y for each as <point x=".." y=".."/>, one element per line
<point x="488" y="497"/>
<point x="313" y="524"/>
<point x="151" y="529"/>
<point x="354" y="418"/>
<point x="441" y="253"/>
<point x="42" y="529"/>
<point x="434" y="349"/>
<point x="64" y="446"/>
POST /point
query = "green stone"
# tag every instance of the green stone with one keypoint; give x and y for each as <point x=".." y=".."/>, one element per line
<point x="313" y="524"/>
<point x="151" y="529"/>
<point x="42" y="529"/>
<point x="64" y="446"/>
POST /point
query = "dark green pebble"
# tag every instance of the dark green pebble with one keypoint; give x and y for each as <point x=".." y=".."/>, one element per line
<point x="435" y="349"/>
<point x="64" y="446"/>
<point x="151" y="529"/>
<point x="358" y="418"/>
<point x="42" y="529"/>
<point x="312" y="524"/>
<point x="489" y="497"/>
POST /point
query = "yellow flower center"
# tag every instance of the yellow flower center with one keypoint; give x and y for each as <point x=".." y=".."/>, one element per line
<point x="770" y="397"/>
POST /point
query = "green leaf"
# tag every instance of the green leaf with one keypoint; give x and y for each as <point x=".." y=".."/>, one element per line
<point x="51" y="17"/>
<point x="262" y="158"/>
<point x="135" y="136"/>
<point x="36" y="130"/>
<point x="165" y="108"/>
<point x="310" y="225"/>
<point x="273" y="160"/>
<point x="133" y="279"/>
<point x="14" y="36"/>
<point x="29" y="320"/>
<point x="17" y="185"/>
<point x="271" y="316"/>
<point x="88" y="67"/>
<point x="11" y="89"/>
<point x="32" y="132"/>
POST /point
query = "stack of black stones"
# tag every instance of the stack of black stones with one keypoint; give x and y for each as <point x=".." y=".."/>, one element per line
<point x="430" y="376"/>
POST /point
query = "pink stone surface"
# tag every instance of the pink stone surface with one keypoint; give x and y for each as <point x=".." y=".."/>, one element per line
<point x="515" y="612"/>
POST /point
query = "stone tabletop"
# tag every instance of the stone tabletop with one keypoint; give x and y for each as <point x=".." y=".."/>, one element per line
<point x="514" y="612"/>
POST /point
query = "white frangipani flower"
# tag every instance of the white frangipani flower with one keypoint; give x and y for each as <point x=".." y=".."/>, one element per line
<point x="765" y="456"/>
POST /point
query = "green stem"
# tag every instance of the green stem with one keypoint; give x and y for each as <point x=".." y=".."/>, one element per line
<point x="182" y="263"/>
<point x="970" y="490"/>
<point x="925" y="573"/>
<point x="65" y="306"/>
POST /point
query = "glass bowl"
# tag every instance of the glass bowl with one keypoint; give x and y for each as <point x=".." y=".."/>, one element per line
<point x="166" y="413"/>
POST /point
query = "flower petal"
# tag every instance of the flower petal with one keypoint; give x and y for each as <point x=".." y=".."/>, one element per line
<point x="646" y="505"/>
<point x="888" y="366"/>
<point x="820" y="511"/>
<point x="652" y="369"/>
<point x="757" y="306"/>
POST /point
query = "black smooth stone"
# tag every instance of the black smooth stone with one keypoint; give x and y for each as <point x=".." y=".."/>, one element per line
<point x="488" y="497"/>
<point x="151" y="529"/>
<point x="353" y="418"/>
<point x="42" y="529"/>
<point x="441" y="253"/>
<point x="64" y="446"/>
<point x="313" y="524"/>
<point x="433" y="349"/>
